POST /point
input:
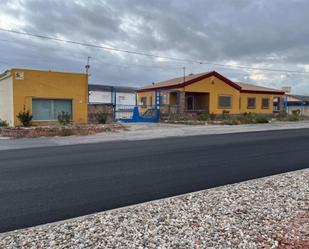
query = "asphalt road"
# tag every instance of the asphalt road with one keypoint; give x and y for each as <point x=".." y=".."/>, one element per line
<point x="54" y="183"/>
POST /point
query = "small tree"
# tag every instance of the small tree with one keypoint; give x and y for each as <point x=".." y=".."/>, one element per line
<point x="101" y="117"/>
<point x="64" y="118"/>
<point x="3" y="123"/>
<point x="25" y="118"/>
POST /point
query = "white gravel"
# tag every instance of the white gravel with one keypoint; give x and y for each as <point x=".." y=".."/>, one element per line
<point x="271" y="212"/>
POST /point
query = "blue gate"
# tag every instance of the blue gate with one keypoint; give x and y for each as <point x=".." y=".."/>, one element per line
<point x="138" y="113"/>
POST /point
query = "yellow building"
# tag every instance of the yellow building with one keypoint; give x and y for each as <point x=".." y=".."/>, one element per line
<point x="44" y="93"/>
<point x="210" y="93"/>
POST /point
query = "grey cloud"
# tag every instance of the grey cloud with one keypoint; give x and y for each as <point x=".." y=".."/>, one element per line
<point x="273" y="33"/>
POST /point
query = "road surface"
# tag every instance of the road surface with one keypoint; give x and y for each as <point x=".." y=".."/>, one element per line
<point x="41" y="185"/>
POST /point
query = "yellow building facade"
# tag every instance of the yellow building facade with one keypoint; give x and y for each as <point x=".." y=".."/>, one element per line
<point x="210" y="93"/>
<point x="45" y="94"/>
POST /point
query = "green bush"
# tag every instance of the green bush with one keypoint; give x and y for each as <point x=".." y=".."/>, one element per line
<point x="225" y="114"/>
<point x="102" y="117"/>
<point x="67" y="132"/>
<point x="230" y="121"/>
<point x="212" y="116"/>
<point x="64" y="118"/>
<point x="3" y="123"/>
<point x="247" y="118"/>
<point x="293" y="118"/>
<point x="282" y="114"/>
<point x="203" y="117"/>
<point x="25" y="118"/>
<point x="261" y="120"/>
<point x="296" y="115"/>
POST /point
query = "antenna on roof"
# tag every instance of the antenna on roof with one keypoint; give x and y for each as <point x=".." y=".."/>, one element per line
<point x="88" y="64"/>
<point x="184" y="74"/>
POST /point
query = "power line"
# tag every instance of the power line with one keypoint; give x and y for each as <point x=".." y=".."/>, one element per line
<point x="96" y="46"/>
<point x="149" y="54"/>
<point x="256" y="68"/>
<point x="139" y="65"/>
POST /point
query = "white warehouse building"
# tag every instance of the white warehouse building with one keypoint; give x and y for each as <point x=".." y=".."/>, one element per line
<point x="115" y="95"/>
<point x="117" y="101"/>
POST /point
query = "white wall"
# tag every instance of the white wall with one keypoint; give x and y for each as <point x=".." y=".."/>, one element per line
<point x="100" y="97"/>
<point x="125" y="98"/>
<point x="106" y="98"/>
<point x="6" y="100"/>
<point x="304" y="110"/>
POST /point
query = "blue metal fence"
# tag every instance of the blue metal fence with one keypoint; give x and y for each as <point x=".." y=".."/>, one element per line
<point x="140" y="116"/>
<point x="138" y="113"/>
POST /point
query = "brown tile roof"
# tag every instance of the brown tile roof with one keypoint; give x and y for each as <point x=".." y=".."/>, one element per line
<point x="172" y="82"/>
<point x="179" y="82"/>
<point x="250" y="87"/>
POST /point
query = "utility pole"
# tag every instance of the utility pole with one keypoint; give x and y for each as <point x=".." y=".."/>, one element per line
<point x="88" y="64"/>
<point x="87" y="70"/>
<point x="184" y="74"/>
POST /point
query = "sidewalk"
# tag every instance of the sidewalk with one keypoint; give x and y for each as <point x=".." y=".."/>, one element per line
<point x="148" y="131"/>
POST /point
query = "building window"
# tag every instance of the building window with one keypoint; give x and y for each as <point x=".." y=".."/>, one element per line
<point x="49" y="109"/>
<point x="225" y="101"/>
<point x="251" y="103"/>
<point x="163" y="98"/>
<point x="143" y="101"/>
<point x="265" y="103"/>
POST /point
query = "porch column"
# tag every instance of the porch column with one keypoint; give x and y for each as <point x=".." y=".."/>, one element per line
<point x="182" y="102"/>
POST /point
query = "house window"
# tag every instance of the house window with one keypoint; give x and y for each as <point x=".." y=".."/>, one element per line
<point x="163" y="98"/>
<point x="225" y="101"/>
<point x="143" y="101"/>
<point x="49" y="109"/>
<point x="265" y="103"/>
<point x="251" y="103"/>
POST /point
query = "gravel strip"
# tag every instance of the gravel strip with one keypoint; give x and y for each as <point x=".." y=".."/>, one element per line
<point x="270" y="212"/>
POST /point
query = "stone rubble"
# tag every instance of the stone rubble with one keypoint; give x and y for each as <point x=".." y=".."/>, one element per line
<point x="270" y="212"/>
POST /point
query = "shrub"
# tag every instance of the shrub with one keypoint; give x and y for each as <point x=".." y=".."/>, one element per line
<point x="247" y="118"/>
<point x="295" y="115"/>
<point x="212" y="116"/>
<point x="101" y="117"/>
<point x="225" y="114"/>
<point x="3" y="123"/>
<point x="203" y="117"/>
<point x="282" y="114"/>
<point x="230" y="122"/>
<point x="261" y="120"/>
<point x="64" y="118"/>
<point x="25" y="118"/>
<point x="67" y="132"/>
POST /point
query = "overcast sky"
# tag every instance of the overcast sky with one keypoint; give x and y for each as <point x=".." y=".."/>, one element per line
<point x="256" y="33"/>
